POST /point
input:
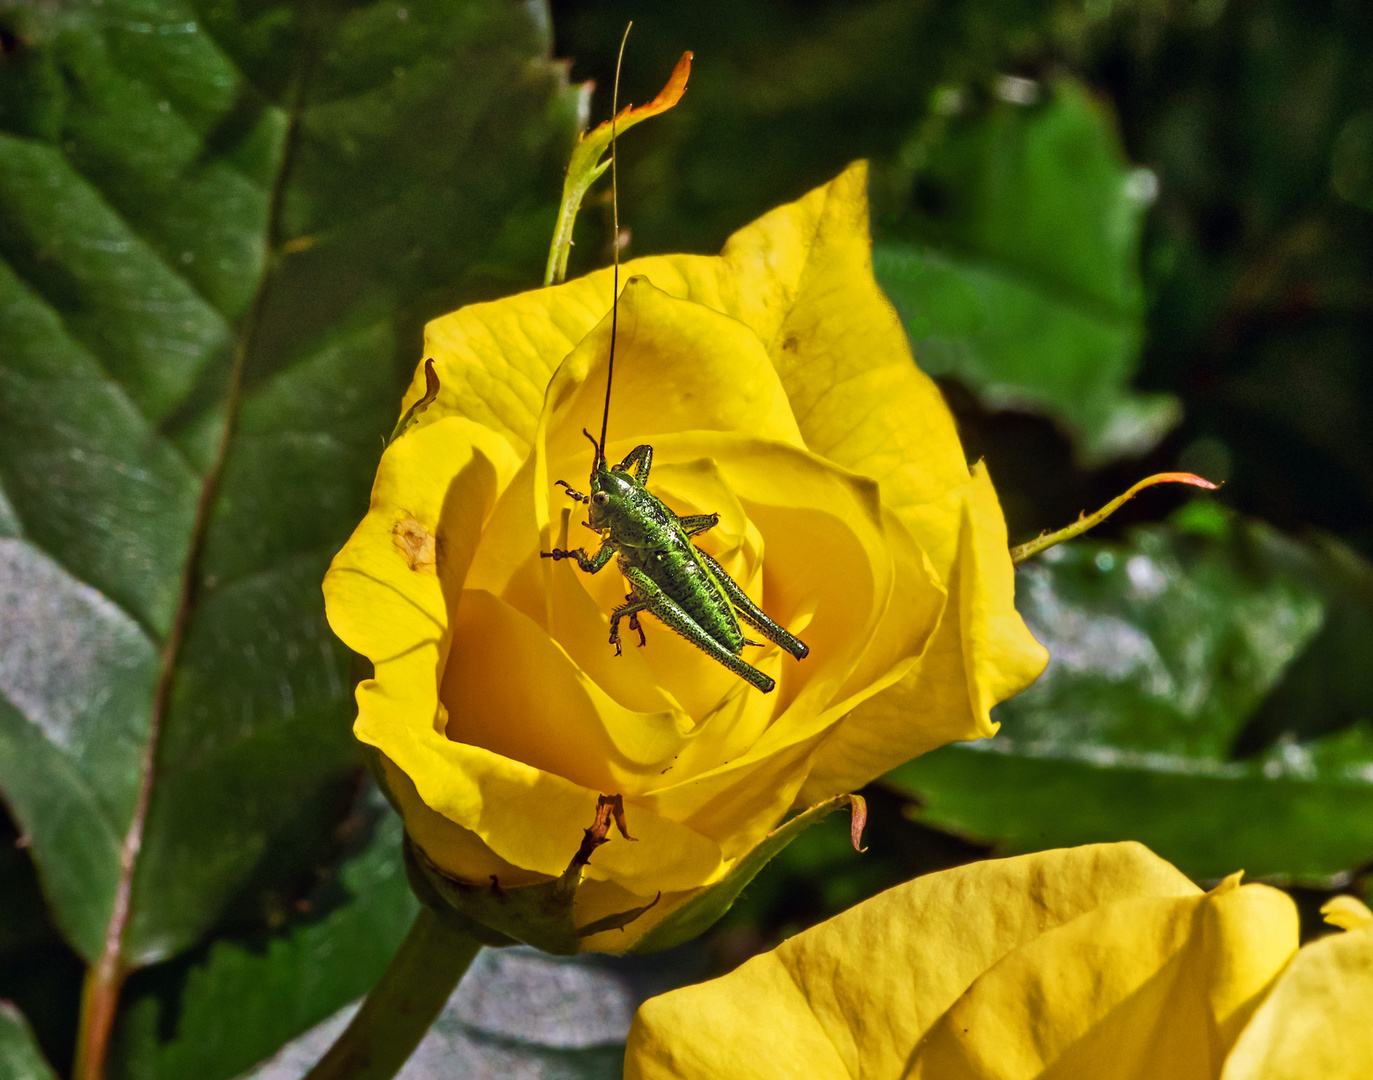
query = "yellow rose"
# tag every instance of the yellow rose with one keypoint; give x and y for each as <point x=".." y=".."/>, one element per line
<point x="1318" y="1020"/>
<point x="776" y="387"/>
<point x="1099" y="962"/>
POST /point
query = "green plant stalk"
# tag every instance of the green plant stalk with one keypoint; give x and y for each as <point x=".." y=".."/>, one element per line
<point x="586" y="166"/>
<point x="580" y="176"/>
<point x="402" y="1006"/>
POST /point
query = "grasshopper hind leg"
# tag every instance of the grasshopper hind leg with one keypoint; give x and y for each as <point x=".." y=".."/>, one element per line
<point x="641" y="460"/>
<point x="632" y="606"/>
<point x="752" y="614"/>
<point x="649" y="597"/>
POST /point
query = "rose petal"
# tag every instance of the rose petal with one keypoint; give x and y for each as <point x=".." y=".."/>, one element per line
<point x="856" y="994"/>
<point x="980" y="654"/>
<point x="495" y="359"/>
<point x="1137" y="988"/>
<point x="535" y="819"/>
<point x="1347" y="912"/>
<point x="679" y="366"/>
<point x="511" y="689"/>
<point x="803" y="280"/>
<point x="802" y="271"/>
<point x="379" y="600"/>
<point x="1315" y="1023"/>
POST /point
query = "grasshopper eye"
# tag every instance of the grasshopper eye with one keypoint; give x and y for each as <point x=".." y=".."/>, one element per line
<point x="600" y="498"/>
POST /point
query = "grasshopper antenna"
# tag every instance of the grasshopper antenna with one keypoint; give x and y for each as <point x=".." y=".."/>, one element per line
<point x="615" y="242"/>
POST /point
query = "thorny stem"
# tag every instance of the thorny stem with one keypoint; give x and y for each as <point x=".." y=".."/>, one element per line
<point x="1044" y="541"/>
<point x="586" y="166"/>
<point x="556" y="270"/>
<point x="403" y="1005"/>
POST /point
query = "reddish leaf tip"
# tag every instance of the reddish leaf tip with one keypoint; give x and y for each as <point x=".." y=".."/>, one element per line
<point x="859" y="807"/>
<point x="668" y="96"/>
<point x="1178" y="478"/>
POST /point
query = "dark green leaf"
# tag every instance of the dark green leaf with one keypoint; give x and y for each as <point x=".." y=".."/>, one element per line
<point x="1204" y="696"/>
<point x="212" y="1016"/>
<point x="1351" y="172"/>
<point x="221" y="230"/>
<point x="20" y="1058"/>
<point x="1017" y="269"/>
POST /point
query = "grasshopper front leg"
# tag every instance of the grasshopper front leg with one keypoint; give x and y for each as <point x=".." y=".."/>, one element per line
<point x="572" y="492"/>
<point x="647" y="596"/>
<point x="590" y="563"/>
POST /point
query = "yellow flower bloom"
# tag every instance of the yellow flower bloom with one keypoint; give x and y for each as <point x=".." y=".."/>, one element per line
<point x="1098" y="962"/>
<point x="776" y="387"/>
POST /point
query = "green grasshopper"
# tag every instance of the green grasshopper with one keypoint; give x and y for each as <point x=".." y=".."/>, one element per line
<point x="667" y="574"/>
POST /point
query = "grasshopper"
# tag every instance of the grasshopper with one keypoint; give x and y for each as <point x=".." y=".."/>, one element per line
<point x="668" y="575"/>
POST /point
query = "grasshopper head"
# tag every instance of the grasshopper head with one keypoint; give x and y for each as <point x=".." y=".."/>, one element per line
<point x="609" y="492"/>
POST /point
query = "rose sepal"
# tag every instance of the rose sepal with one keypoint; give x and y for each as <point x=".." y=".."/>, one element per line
<point x="704" y="909"/>
<point x="541" y="915"/>
<point x="544" y="915"/>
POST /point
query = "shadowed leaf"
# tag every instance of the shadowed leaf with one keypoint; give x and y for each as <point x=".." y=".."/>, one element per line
<point x="1200" y="697"/>
<point x="220" y="234"/>
<point x="1016" y="266"/>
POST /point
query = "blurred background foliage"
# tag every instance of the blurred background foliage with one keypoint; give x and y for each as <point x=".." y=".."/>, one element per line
<point x="1126" y="237"/>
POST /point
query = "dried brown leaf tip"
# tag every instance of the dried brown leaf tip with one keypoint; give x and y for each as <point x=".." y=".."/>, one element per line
<point x="412" y="414"/>
<point x="859" y="807"/>
<point x="608" y="808"/>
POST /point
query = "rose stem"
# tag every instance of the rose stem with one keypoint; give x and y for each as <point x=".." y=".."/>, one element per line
<point x="402" y="1006"/>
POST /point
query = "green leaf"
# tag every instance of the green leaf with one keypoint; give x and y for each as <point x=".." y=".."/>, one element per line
<point x="215" y="1015"/>
<point x="20" y="1058"/>
<point x="1204" y="696"/>
<point x="1351" y="170"/>
<point x="221" y="231"/>
<point x="1017" y="269"/>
